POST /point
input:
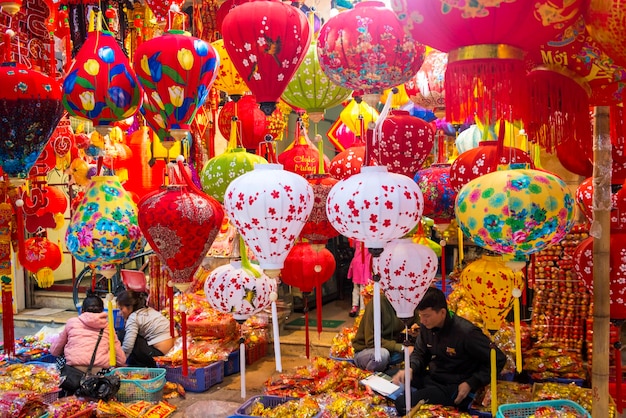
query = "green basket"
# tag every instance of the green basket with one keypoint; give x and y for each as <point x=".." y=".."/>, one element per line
<point x="147" y="388"/>
<point x="526" y="409"/>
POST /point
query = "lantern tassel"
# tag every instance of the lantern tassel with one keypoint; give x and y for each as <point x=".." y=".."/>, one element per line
<point x="183" y="327"/>
<point x="517" y="293"/>
<point x="377" y="332"/>
<point x="318" y="307"/>
<point x="305" y="300"/>
<point x="170" y="297"/>
<point x="245" y="262"/>
<point x="494" y="381"/>
<point x="111" y="324"/>
<point x="460" y="246"/>
<point x="242" y="366"/>
<point x="279" y="365"/>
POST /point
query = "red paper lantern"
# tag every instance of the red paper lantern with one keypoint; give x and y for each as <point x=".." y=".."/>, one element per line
<point x="54" y="201"/>
<point x="575" y="156"/>
<point x="404" y="144"/>
<point x="251" y="121"/>
<point x="366" y="49"/>
<point x="302" y="158"/>
<point x="427" y="88"/>
<point x="583" y="265"/>
<point x="41" y="256"/>
<point x="101" y="85"/>
<point x="266" y="41"/>
<point x="144" y="176"/>
<point x="484" y="159"/>
<point x="349" y="162"/>
<point x="180" y="223"/>
<point x="318" y="228"/>
<point x="439" y="195"/>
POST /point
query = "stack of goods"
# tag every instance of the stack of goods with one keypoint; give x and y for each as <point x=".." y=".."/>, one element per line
<point x="21" y="404"/>
<point x="504" y="338"/>
<point x="547" y="361"/>
<point x="460" y="302"/>
<point x="114" y="409"/>
<point x="341" y="347"/>
<point x="582" y="396"/>
<point x="508" y="393"/>
<point x="429" y="411"/>
<point x="70" y="406"/>
<point x="561" y="300"/>
<point x="40" y="378"/>
<point x="31" y="348"/>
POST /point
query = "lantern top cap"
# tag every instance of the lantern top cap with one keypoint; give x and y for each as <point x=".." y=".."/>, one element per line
<point x="374" y="169"/>
<point x="259" y="166"/>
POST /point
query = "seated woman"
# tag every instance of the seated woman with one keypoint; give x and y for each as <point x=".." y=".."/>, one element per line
<point x="146" y="332"/>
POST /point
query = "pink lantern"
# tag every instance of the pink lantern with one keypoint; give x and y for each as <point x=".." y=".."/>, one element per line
<point x="269" y="206"/>
<point x="406" y="271"/>
<point x="375" y="206"/>
<point x="439" y="196"/>
<point x="340" y="135"/>
<point x="232" y="289"/>
<point x="404" y="143"/>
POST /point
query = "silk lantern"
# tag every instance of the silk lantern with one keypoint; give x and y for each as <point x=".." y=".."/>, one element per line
<point x="584" y="198"/>
<point x="180" y="223"/>
<point x="583" y="266"/>
<point x="307" y="267"/>
<point x="103" y="230"/>
<point x="468" y="138"/>
<point x="269" y="207"/>
<point x="485" y="70"/>
<point x="30" y="108"/>
<point x="101" y="85"/>
<point x="318" y="228"/>
<point x="484" y="159"/>
<point x="365" y="49"/>
<point x="427" y="88"/>
<point x="515" y="211"/>
<point x="310" y="89"/>
<point x="348" y="162"/>
<point x="251" y="121"/>
<point x="404" y="144"/>
<point x="266" y="41"/>
<point x="176" y="71"/>
<point x="228" y="79"/>
<point x="162" y="9"/>
<point x="575" y="156"/>
<point x="439" y="196"/>
<point x="303" y="158"/>
<point x="604" y="21"/>
<point x="41" y="256"/>
<point x="357" y="115"/>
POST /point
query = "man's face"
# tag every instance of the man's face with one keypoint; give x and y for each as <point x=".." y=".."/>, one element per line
<point x="431" y="318"/>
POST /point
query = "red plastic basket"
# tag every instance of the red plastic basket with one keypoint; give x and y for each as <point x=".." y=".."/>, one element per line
<point x="255" y="352"/>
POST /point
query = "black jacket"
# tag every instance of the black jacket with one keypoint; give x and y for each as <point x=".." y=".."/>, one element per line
<point x="458" y="352"/>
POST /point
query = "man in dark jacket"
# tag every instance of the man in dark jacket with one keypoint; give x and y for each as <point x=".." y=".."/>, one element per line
<point x="451" y="358"/>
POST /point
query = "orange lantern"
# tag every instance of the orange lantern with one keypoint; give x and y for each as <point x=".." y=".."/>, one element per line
<point x="40" y="257"/>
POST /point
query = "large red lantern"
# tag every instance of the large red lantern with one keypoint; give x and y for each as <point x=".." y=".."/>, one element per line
<point x="251" y="121"/>
<point x="176" y="71"/>
<point x="404" y="144"/>
<point x="101" y="85"/>
<point x="266" y="41"/>
<point x="318" y="228"/>
<point x="365" y="49"/>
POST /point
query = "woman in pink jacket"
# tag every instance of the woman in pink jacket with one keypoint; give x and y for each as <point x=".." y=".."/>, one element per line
<point x="78" y="339"/>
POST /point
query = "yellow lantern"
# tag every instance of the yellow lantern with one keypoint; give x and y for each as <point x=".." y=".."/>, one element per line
<point x="228" y="79"/>
<point x="355" y="110"/>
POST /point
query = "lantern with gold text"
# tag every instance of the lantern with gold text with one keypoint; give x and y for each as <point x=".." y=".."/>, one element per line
<point x="302" y="158"/>
<point x="176" y="70"/>
<point x="266" y="41"/>
<point x="427" y="88"/>
<point x="101" y="85"/>
<point x="228" y="79"/>
<point x="30" y="108"/>
<point x="365" y="49"/>
<point x="318" y="228"/>
<point x="485" y="57"/>
<point x="605" y="22"/>
<point x="41" y="256"/>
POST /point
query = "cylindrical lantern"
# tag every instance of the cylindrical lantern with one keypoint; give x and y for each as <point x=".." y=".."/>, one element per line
<point x="101" y="85"/>
<point x="406" y="271"/>
<point x="266" y="41"/>
<point x="269" y="207"/>
<point x="439" y="196"/>
<point x="515" y="211"/>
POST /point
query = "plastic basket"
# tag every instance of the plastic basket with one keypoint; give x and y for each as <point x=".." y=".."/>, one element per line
<point x="50" y="397"/>
<point x="199" y="379"/>
<point x="268" y="401"/>
<point x="256" y="352"/>
<point x="149" y="388"/>
<point x="524" y="410"/>
<point x="232" y="365"/>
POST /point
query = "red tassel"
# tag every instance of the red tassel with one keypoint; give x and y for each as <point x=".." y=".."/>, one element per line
<point x="306" y="326"/>
<point x="318" y="302"/>
<point x="7" y="320"/>
<point x="443" y="268"/>
<point x="170" y="297"/>
<point x="183" y="327"/>
<point x="618" y="378"/>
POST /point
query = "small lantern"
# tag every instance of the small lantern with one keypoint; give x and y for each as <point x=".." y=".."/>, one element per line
<point x="251" y="121"/>
<point x="439" y="196"/>
<point x="41" y="256"/>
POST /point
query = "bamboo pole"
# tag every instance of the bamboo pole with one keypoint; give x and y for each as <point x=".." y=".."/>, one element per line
<point x="600" y="230"/>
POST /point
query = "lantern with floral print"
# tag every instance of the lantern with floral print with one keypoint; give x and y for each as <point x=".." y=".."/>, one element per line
<point x="583" y="265"/>
<point x="101" y="85"/>
<point x="483" y="159"/>
<point x="176" y="70"/>
<point x="490" y="283"/>
<point x="318" y="228"/>
<point x="426" y="88"/>
<point x="228" y="79"/>
<point x="406" y="271"/>
<point x="515" y="211"/>
<point x="348" y="162"/>
<point x="584" y="198"/>
<point x="266" y="41"/>
<point x="404" y="143"/>
<point x="439" y="196"/>
<point x="41" y="256"/>
<point x="161" y="9"/>
<point x="365" y="49"/>
<point x="30" y="108"/>
<point x="103" y="230"/>
<point x="269" y="207"/>
<point x="180" y="223"/>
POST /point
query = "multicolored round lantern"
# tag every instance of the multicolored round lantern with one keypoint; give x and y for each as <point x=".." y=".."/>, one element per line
<point x="366" y="49"/>
<point x="269" y="207"/>
<point x="439" y="195"/>
<point x="515" y="211"/>
<point x="30" y="108"/>
<point x="101" y="85"/>
<point x="242" y="292"/>
<point x="228" y="79"/>
<point x="251" y="121"/>
<point x="318" y="228"/>
<point x="427" y="89"/>
<point x="41" y="256"/>
<point x="103" y="230"/>
<point x="583" y="265"/>
<point x="404" y="143"/>
<point x="490" y="283"/>
<point x="375" y="206"/>
<point x="605" y="23"/>
<point x="266" y="41"/>
<point x="176" y="71"/>
<point x="311" y="90"/>
<point x="180" y="223"/>
<point x="406" y="271"/>
<point x="484" y="159"/>
<point x="349" y="162"/>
